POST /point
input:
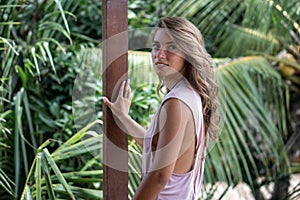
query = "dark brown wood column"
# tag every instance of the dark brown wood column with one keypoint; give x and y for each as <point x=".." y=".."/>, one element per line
<point x="115" y="66"/>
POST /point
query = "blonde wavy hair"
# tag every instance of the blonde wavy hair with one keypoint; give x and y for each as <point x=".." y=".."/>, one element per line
<point x="199" y="67"/>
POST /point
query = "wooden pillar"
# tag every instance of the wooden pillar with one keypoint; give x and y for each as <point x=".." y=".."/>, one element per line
<point x="115" y="66"/>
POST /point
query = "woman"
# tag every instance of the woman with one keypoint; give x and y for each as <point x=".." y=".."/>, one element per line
<point x="174" y="144"/>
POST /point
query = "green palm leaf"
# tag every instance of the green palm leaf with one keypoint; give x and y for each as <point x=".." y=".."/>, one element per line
<point x="63" y="184"/>
<point x="242" y="26"/>
<point x="252" y="137"/>
<point x="6" y="183"/>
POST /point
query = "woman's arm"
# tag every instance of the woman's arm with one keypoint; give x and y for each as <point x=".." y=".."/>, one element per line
<point x="120" y="109"/>
<point x="133" y="129"/>
<point x="173" y="118"/>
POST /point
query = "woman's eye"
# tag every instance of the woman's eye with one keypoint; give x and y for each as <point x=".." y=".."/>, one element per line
<point x="155" y="46"/>
<point x="172" y="47"/>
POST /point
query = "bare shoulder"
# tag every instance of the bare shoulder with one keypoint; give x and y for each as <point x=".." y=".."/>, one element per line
<point x="175" y="107"/>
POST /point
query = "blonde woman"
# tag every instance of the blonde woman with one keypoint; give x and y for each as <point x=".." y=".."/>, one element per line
<point x="174" y="144"/>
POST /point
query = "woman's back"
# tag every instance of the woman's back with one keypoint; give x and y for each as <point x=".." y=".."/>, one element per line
<point x="181" y="183"/>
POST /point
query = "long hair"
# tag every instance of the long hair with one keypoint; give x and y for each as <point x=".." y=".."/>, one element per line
<point x="199" y="70"/>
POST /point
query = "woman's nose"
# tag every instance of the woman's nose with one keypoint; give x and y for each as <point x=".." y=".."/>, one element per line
<point x="161" y="53"/>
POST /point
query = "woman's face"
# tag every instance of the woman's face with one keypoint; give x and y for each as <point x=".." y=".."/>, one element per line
<point x="166" y="57"/>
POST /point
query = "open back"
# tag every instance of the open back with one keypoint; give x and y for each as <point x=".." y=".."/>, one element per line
<point x="184" y="186"/>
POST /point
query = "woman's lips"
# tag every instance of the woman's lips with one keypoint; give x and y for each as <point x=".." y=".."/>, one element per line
<point x="160" y="62"/>
<point x="161" y="65"/>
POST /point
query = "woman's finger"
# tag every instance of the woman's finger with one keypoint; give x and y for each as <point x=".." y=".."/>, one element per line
<point x="107" y="102"/>
<point x="121" y="91"/>
<point x="128" y="90"/>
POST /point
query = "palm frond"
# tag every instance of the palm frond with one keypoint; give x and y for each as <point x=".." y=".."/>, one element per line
<point x="258" y="22"/>
<point x="48" y="180"/>
<point x="251" y="142"/>
<point x="6" y="183"/>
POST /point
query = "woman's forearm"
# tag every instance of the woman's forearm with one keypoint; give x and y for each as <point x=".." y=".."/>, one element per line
<point x="133" y="128"/>
<point x="151" y="186"/>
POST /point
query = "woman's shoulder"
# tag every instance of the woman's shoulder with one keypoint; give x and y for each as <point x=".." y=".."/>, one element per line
<point x="184" y="91"/>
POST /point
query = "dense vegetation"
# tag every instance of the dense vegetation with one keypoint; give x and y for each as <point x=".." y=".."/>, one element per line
<point x="48" y="45"/>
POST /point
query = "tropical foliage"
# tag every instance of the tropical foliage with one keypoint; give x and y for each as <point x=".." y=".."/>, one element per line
<point x="46" y="45"/>
<point x="39" y="45"/>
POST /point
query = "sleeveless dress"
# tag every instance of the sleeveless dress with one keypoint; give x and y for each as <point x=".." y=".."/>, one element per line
<point x="179" y="186"/>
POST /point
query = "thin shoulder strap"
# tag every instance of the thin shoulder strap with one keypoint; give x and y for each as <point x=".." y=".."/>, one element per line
<point x="200" y="156"/>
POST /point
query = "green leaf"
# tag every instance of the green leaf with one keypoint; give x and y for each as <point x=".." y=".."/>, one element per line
<point x="29" y="120"/>
<point x="58" y="3"/>
<point x="9" y="23"/>
<point x="10" y="46"/>
<point x="48" y="179"/>
<point x="6" y="183"/>
<point x="47" y="40"/>
<point x="17" y="148"/>
<point x="27" y="193"/>
<point x="81" y="192"/>
<point x="46" y="47"/>
<point x="54" y="26"/>
<point x="58" y="173"/>
<point x="22" y="75"/>
<point x="80" y="134"/>
<point x="93" y="144"/>
<point x="36" y="65"/>
<point x="38" y="178"/>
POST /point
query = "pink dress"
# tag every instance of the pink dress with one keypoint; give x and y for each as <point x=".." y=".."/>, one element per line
<point x="179" y="186"/>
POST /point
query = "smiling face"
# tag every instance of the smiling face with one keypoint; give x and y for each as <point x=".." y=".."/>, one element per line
<point x="166" y="57"/>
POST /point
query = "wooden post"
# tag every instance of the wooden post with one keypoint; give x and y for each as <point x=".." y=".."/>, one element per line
<point x="115" y="66"/>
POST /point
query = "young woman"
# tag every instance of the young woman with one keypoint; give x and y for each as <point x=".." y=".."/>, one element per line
<point x="174" y="144"/>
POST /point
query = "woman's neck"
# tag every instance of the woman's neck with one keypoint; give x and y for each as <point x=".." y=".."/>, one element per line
<point x="172" y="81"/>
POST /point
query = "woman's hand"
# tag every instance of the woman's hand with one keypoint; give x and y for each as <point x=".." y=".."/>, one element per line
<point x="120" y="107"/>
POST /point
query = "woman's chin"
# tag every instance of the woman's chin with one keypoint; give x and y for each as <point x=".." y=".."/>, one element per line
<point x="165" y="72"/>
<point x="161" y="72"/>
